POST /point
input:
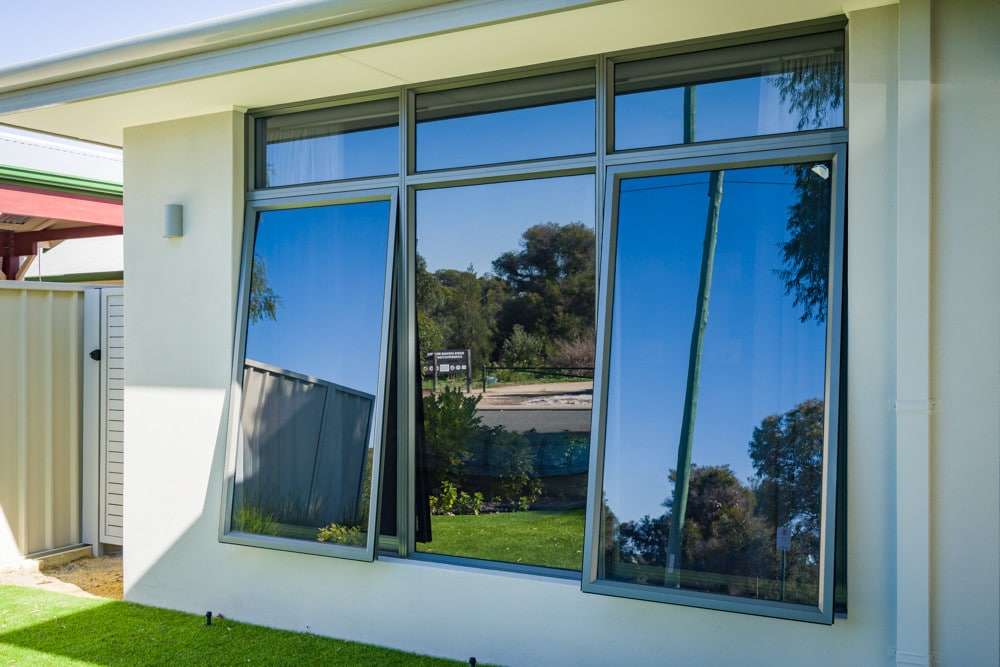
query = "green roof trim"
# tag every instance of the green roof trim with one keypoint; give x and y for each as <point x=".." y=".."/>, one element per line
<point x="48" y="179"/>
<point x="80" y="277"/>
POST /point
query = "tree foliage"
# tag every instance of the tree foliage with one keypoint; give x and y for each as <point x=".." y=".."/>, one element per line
<point x="263" y="300"/>
<point x="806" y="253"/>
<point x="550" y="283"/>
<point x="538" y="299"/>
<point x="813" y="89"/>
<point x="730" y="526"/>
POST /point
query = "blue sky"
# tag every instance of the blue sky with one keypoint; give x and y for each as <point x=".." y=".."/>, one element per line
<point x="758" y="359"/>
<point x="327" y="266"/>
<point x="42" y="28"/>
<point x="475" y="224"/>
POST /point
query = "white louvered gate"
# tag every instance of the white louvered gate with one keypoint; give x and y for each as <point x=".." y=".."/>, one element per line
<point x="112" y="445"/>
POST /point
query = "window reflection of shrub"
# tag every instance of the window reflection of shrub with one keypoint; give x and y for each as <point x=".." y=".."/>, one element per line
<point x="471" y="462"/>
<point x="341" y="534"/>
<point x="574" y="353"/>
<point x="522" y="349"/>
<point x="450" y="420"/>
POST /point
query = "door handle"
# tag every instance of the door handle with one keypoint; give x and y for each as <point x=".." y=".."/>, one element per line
<point x="95" y="354"/>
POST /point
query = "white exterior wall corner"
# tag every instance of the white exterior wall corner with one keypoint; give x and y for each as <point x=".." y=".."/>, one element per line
<point x="180" y="309"/>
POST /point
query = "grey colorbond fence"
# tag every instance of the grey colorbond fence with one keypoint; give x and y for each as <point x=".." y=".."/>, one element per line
<point x="304" y="455"/>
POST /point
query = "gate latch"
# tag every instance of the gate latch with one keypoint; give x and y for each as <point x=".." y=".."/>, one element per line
<point x="95" y="354"/>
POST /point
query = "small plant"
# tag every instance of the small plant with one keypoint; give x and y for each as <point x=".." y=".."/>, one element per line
<point x="251" y="519"/>
<point x="341" y="534"/>
<point x="444" y="502"/>
<point x="469" y="503"/>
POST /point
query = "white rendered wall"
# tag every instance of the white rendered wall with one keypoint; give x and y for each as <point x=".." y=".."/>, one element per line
<point x="965" y="335"/>
<point x="180" y="313"/>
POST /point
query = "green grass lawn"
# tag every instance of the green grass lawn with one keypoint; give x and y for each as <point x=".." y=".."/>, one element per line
<point x="44" y="628"/>
<point x="551" y="539"/>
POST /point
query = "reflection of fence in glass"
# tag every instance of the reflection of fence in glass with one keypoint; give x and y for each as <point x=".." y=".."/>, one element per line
<point x="304" y="459"/>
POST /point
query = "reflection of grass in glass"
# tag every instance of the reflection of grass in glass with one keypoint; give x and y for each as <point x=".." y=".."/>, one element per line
<point x="250" y="519"/>
<point x="549" y="539"/>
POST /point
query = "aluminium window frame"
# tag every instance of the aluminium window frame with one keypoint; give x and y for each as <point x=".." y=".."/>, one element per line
<point x="836" y="153"/>
<point x="408" y="181"/>
<point x="377" y="421"/>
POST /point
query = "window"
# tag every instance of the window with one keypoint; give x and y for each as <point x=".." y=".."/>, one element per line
<point x="523" y="119"/>
<point x="505" y="322"/>
<point x="616" y="350"/>
<point x="775" y="87"/>
<point x="312" y="375"/>
<point x="721" y="346"/>
<point x="350" y="141"/>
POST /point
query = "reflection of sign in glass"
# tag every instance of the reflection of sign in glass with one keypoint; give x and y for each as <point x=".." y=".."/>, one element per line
<point x="449" y="363"/>
<point x="783" y="537"/>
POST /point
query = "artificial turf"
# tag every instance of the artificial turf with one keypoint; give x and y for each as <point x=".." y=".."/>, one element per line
<point x="45" y="628"/>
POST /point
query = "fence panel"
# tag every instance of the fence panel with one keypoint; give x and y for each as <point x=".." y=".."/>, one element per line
<point x="41" y="348"/>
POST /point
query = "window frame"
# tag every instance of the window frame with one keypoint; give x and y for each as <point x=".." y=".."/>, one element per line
<point x="376" y="435"/>
<point x="733" y="52"/>
<point x="604" y="163"/>
<point x="836" y="153"/>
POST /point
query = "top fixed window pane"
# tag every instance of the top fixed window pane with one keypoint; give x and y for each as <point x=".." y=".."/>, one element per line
<point x="788" y="85"/>
<point x="332" y="144"/>
<point x="525" y="119"/>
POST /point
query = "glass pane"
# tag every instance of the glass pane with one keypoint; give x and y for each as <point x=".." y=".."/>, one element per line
<point x="311" y="374"/>
<point x="505" y="308"/>
<point x="783" y="86"/>
<point x="352" y="141"/>
<point x="525" y="119"/>
<point x="715" y="392"/>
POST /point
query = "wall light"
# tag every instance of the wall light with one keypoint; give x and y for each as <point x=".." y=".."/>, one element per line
<point x="173" y="221"/>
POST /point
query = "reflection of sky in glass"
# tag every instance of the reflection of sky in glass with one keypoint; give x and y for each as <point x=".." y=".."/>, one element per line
<point x="566" y="128"/>
<point x="744" y="107"/>
<point x="758" y="359"/>
<point x="334" y="157"/>
<point x="476" y="224"/>
<point x="327" y="266"/>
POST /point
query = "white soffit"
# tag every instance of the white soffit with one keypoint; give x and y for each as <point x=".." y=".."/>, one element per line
<point x="502" y="44"/>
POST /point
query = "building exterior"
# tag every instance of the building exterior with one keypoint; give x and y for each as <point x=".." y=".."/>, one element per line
<point x="780" y="220"/>
<point x="67" y="193"/>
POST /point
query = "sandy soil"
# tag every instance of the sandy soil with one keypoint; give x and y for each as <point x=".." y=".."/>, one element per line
<point x="98" y="576"/>
<point x="87" y="577"/>
<point x="551" y="395"/>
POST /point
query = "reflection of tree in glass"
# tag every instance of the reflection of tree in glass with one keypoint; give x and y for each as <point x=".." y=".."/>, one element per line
<point x="550" y="283"/>
<point x="263" y="300"/>
<point x="546" y="288"/>
<point x="787" y="455"/>
<point x="730" y="526"/>
<point x="813" y="88"/>
<point x="807" y="251"/>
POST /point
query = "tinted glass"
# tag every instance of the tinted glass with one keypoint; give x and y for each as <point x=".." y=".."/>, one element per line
<point x="525" y="119"/>
<point x="715" y="393"/>
<point x="505" y="308"/>
<point x="783" y="86"/>
<point x="311" y="374"/>
<point x="352" y="141"/>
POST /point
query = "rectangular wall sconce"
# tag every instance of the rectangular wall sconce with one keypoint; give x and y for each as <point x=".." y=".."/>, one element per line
<point x="173" y="221"/>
